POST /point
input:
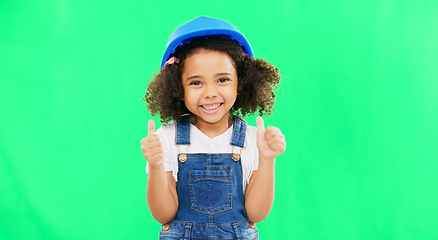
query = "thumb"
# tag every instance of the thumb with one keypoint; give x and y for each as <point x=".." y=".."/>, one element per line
<point x="151" y="127"/>
<point x="260" y="127"/>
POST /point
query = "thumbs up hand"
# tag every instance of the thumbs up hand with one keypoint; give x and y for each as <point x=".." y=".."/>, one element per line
<point x="270" y="142"/>
<point x="151" y="147"/>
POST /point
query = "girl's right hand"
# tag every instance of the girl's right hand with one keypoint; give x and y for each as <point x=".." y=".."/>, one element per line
<point x="151" y="147"/>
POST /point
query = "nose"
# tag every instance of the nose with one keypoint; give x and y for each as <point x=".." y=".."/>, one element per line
<point x="210" y="91"/>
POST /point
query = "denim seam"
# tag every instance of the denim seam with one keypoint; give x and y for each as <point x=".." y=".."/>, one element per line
<point x="212" y="167"/>
<point x="252" y="232"/>
<point x="219" y="224"/>
<point x="171" y="234"/>
<point x="208" y="238"/>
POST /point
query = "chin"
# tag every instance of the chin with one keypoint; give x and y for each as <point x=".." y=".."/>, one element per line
<point x="211" y="119"/>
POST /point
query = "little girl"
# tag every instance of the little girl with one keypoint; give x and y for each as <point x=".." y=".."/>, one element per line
<point x="210" y="175"/>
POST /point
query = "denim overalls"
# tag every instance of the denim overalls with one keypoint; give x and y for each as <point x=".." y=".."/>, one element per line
<point x="210" y="192"/>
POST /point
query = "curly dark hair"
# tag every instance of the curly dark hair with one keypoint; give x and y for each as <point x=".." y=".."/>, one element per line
<point x="257" y="80"/>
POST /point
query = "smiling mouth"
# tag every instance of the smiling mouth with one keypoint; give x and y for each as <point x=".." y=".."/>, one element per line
<point x="211" y="106"/>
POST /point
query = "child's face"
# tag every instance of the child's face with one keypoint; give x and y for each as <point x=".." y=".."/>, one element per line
<point x="210" y="81"/>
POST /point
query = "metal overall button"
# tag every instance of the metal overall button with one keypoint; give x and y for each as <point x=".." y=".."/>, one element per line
<point x="236" y="156"/>
<point x="182" y="157"/>
<point x="251" y="225"/>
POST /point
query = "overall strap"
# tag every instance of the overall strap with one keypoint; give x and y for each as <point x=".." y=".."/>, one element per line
<point x="239" y="132"/>
<point x="182" y="136"/>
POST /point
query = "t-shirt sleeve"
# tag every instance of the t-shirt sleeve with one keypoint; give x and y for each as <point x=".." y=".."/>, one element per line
<point x="253" y="161"/>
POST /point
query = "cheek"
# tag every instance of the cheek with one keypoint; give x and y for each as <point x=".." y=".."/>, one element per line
<point x="189" y="97"/>
<point x="185" y="93"/>
<point x="232" y="96"/>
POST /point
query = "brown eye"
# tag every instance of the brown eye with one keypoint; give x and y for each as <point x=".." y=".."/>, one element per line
<point x="196" y="83"/>
<point x="222" y="80"/>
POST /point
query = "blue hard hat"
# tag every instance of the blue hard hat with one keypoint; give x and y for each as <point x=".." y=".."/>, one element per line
<point x="200" y="27"/>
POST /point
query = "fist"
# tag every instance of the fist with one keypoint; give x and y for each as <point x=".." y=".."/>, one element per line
<point x="270" y="142"/>
<point x="151" y="147"/>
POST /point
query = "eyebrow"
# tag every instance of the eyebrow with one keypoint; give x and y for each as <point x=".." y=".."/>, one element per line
<point x="216" y="75"/>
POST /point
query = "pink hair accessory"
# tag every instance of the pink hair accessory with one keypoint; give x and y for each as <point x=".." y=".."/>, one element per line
<point x="171" y="60"/>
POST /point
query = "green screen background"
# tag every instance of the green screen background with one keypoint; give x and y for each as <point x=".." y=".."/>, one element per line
<point x="358" y="105"/>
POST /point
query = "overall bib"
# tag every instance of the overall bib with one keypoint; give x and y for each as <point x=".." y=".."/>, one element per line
<point x="210" y="192"/>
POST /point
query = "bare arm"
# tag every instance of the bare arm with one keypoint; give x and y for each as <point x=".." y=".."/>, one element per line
<point x="161" y="190"/>
<point x="259" y="194"/>
<point x="161" y="195"/>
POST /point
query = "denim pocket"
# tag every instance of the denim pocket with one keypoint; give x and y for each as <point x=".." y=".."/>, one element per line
<point x="211" y="190"/>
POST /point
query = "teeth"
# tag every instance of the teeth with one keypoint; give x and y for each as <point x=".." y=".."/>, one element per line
<point x="209" y="107"/>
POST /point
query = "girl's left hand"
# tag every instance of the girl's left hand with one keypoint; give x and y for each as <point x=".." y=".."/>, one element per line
<point x="270" y="142"/>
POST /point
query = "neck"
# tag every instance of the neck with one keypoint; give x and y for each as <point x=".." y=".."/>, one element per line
<point x="212" y="129"/>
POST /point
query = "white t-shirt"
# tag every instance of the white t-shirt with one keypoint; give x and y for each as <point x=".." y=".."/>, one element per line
<point x="201" y="143"/>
